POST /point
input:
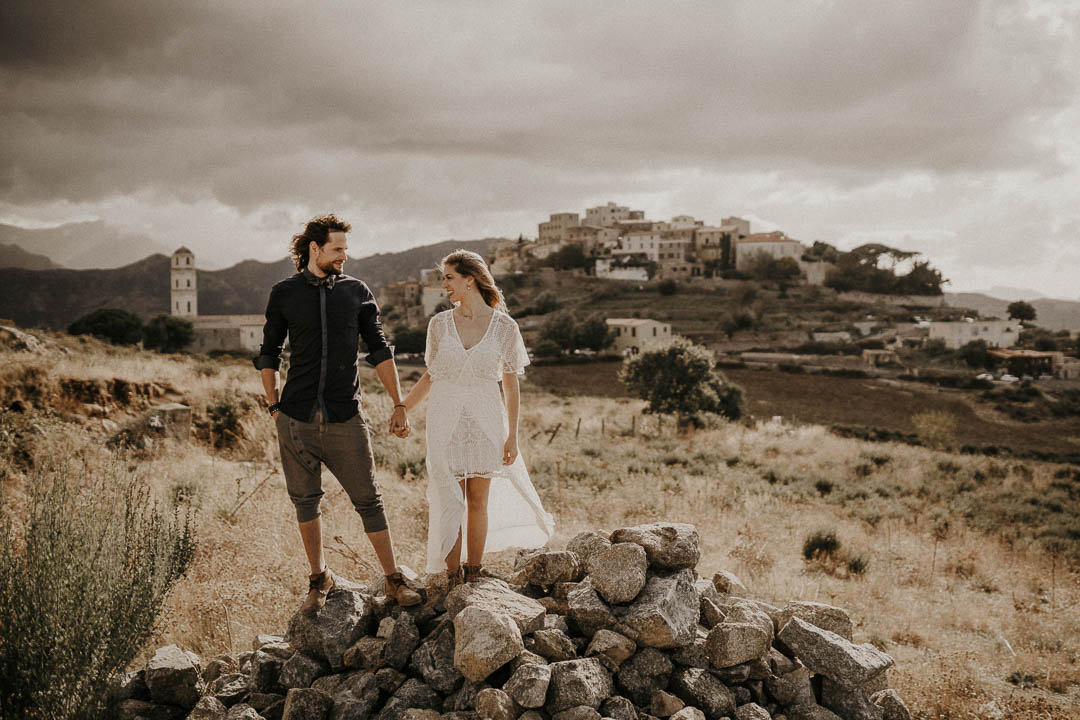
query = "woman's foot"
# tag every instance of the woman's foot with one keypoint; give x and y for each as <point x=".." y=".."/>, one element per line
<point x="398" y="591"/>
<point x="455" y="578"/>
<point x="474" y="572"/>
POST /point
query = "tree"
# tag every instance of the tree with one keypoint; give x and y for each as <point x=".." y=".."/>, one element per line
<point x="168" y="333"/>
<point x="1023" y="311"/>
<point x="116" y="326"/>
<point x="681" y="379"/>
<point x="668" y="287"/>
<point x="569" y="257"/>
<point x="563" y="331"/>
<point x="410" y="340"/>
<point x="558" y="328"/>
<point x="766" y="268"/>
<point x="593" y="334"/>
<point x="974" y="353"/>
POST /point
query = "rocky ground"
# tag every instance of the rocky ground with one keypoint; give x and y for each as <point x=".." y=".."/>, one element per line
<point x="617" y="626"/>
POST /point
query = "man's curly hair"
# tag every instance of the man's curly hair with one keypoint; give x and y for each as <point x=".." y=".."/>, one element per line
<point x="316" y="231"/>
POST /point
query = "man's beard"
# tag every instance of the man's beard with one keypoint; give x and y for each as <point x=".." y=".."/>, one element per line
<point x="329" y="268"/>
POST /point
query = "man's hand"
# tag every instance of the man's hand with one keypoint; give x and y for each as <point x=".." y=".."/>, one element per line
<point x="510" y="451"/>
<point x="399" y="423"/>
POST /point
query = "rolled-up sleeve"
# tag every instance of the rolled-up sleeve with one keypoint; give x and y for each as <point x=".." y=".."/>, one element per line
<point x="371" y="331"/>
<point x="274" y="332"/>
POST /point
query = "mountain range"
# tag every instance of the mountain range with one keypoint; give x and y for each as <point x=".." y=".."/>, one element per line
<point x="82" y="245"/>
<point x="1050" y="313"/>
<point x="54" y="298"/>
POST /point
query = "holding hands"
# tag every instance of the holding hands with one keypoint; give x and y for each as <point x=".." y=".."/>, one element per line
<point x="399" y="422"/>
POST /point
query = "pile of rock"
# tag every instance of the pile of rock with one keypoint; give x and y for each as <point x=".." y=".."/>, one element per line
<point x="613" y="627"/>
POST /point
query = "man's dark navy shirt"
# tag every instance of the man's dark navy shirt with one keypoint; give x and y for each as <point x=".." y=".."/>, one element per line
<point x="324" y="324"/>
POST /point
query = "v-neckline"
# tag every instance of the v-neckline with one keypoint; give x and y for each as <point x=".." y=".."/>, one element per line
<point x="453" y="322"/>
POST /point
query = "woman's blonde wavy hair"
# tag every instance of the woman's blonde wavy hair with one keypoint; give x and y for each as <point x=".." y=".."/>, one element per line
<point x="469" y="264"/>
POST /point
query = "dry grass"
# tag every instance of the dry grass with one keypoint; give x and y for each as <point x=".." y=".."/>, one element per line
<point x="964" y="606"/>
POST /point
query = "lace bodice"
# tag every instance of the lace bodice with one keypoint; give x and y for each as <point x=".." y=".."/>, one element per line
<point x="500" y="350"/>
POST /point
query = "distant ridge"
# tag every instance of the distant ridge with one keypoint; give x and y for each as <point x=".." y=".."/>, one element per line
<point x="53" y="299"/>
<point x="13" y="256"/>
<point x="1050" y="314"/>
<point x="83" y="245"/>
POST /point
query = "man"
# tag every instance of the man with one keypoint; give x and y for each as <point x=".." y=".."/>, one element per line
<point x="325" y="313"/>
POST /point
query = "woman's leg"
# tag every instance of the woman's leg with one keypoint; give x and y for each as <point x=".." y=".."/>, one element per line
<point x="476" y="497"/>
<point x="453" y="559"/>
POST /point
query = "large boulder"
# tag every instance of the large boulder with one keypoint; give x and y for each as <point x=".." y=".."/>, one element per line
<point x="484" y="642"/>
<point x="588" y="611"/>
<point x="172" y="678"/>
<point x="791" y="688"/>
<point x="746" y="611"/>
<point x="529" y="684"/>
<point x="496" y="596"/>
<point x="552" y="566"/>
<point x="826" y="617"/>
<point x="300" y="670"/>
<point x="402" y="641"/>
<point x="586" y="544"/>
<point x="642" y="675"/>
<point x="344" y="618"/>
<point x="264" y="671"/>
<point x="669" y="546"/>
<point x="618" y="572"/>
<point x="665" y="614"/>
<point x="731" y="644"/>
<point x="578" y="682"/>
<point x="701" y="689"/>
<point x="728" y="583"/>
<point x="826" y="653"/>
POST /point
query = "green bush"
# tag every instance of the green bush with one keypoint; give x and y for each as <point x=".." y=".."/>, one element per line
<point x="668" y="287"/>
<point x="116" y="326"/>
<point x="84" y="573"/>
<point x="820" y="544"/>
<point x="681" y="379"/>
<point x="409" y="340"/>
<point x="168" y="333"/>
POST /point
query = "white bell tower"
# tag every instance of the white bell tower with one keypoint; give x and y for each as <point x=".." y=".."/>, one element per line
<point x="184" y="295"/>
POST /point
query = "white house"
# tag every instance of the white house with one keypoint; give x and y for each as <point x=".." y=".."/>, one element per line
<point x="996" y="333"/>
<point x="634" y="335"/>
<point x="610" y="269"/>
<point x="775" y="244"/>
<point x="241" y="333"/>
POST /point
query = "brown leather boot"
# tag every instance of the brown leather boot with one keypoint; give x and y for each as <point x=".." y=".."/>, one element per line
<point x="397" y="590"/>
<point x="474" y="572"/>
<point x="319" y="586"/>
<point x="455" y="578"/>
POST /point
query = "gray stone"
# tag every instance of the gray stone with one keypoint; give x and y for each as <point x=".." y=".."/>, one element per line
<point x="751" y="711"/>
<point x="728" y="583"/>
<point x="663" y="704"/>
<point x="306" y="704"/>
<point x="465" y="698"/>
<point x="553" y="645"/>
<point x="826" y="617"/>
<point x="434" y="661"/>
<point x="281" y="650"/>
<point x="389" y="680"/>
<point x="412" y="694"/>
<point x="735" y="643"/>
<point x="742" y="694"/>
<point x="791" y="688"/>
<point x="528" y="685"/>
<point x="693" y="655"/>
<point x="129" y="685"/>
<point x="265" y="670"/>
<point x="665" y="613"/>
<point x="471" y="715"/>
<point x="581" y="712"/>
<point x="711" y="614"/>
<point x="699" y="688"/>
<point x="533" y="715"/>
<point x="745" y="611"/>
<point x="733" y="675"/>
<point x="643" y="674"/>
<point x="586" y="544"/>
<point x="357" y="695"/>
<point x="208" y="708"/>
<point x="618" y="708"/>
<point x="588" y="611"/>
<point x="330" y="684"/>
<point x="230" y="689"/>
<point x="689" y="713"/>
<point x="420" y="714"/>
<point x="779" y="663"/>
<point x="366" y="653"/>
<point x="494" y="704"/>
<point x="496" y="596"/>
<point x="341" y="622"/>
<point x="244" y="711"/>
<point x="172" y="678"/>
<point x="893" y="708"/>
<point x="403" y="640"/>
<point x="218" y="666"/>
<point x="301" y="670"/>
<point x="264" y="639"/>
<point x="669" y="546"/>
<point x="135" y="709"/>
<point x="810" y="711"/>
<point x="554" y="606"/>
<point x="261" y="701"/>
<point x="556" y="622"/>
<point x="618" y="572"/>
<point x="577" y="682"/>
<point x="526" y="658"/>
<point x="386" y="628"/>
<point x="826" y="653"/>
<point x="553" y="566"/>
<point x="484" y="642"/>
<point x="848" y="703"/>
<point x="611" y="648"/>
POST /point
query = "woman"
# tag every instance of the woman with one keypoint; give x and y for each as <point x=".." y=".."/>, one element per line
<point x="476" y="477"/>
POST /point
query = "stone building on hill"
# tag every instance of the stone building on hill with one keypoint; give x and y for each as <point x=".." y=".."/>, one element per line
<point x="635" y="335"/>
<point x="237" y="333"/>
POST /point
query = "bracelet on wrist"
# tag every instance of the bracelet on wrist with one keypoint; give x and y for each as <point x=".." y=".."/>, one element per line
<point x="273" y="407"/>
<point x="401" y="405"/>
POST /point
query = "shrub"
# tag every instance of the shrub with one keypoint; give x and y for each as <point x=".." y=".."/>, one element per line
<point x="668" y="287"/>
<point x="168" y="333"/>
<point x="547" y="349"/>
<point x="116" y="326"/>
<point x="857" y="565"/>
<point x="681" y="379"/>
<point x="224" y="423"/>
<point x="936" y="427"/>
<point x="820" y="544"/>
<point x="409" y="340"/>
<point x="84" y="573"/>
<point x="974" y="353"/>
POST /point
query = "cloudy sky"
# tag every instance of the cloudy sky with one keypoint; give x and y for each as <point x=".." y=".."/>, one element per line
<point x="948" y="128"/>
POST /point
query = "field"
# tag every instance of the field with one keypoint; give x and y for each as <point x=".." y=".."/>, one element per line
<point x="963" y="567"/>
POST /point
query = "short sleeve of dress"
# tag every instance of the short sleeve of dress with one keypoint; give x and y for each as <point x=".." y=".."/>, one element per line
<point x="514" y="355"/>
<point x="431" y="345"/>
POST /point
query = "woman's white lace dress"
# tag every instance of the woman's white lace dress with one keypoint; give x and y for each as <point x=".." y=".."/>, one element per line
<point x="466" y="430"/>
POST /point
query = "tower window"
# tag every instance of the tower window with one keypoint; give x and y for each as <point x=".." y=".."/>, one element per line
<point x="189" y="283"/>
<point x="189" y="306"/>
<point x="188" y="260"/>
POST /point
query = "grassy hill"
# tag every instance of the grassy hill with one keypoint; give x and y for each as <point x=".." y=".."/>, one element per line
<point x="1051" y="314"/>
<point x="964" y="568"/>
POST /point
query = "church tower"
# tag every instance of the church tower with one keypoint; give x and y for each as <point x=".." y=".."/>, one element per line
<point x="184" y="295"/>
